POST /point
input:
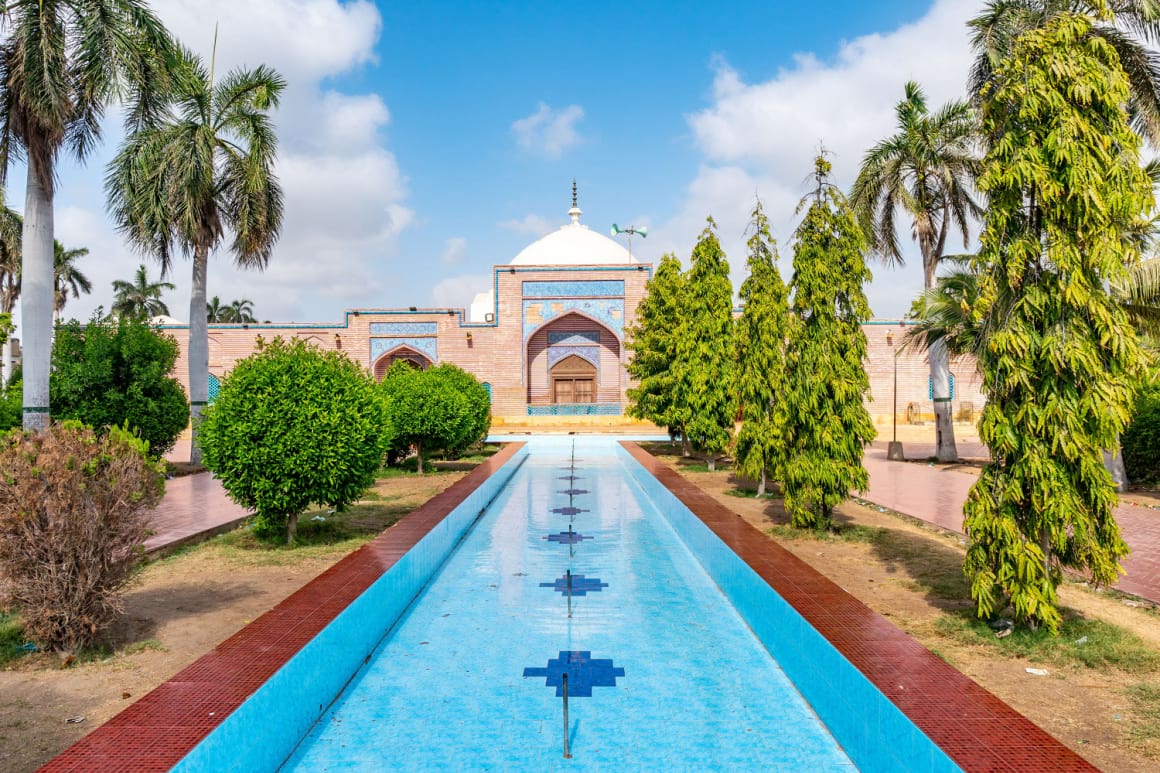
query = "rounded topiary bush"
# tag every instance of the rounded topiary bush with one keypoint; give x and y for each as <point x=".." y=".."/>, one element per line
<point x="294" y="426"/>
<point x="442" y="408"/>
<point x="1141" y="440"/>
<point x="74" y="514"/>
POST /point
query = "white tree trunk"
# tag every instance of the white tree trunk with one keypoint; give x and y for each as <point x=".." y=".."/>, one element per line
<point x="1114" y="464"/>
<point x="944" y="428"/>
<point x="6" y="366"/>
<point x="36" y="296"/>
<point x="198" y="350"/>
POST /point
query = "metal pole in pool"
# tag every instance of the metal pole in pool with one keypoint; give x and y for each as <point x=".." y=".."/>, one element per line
<point x="567" y="752"/>
<point x="570" y="542"/>
<point x="568" y="575"/>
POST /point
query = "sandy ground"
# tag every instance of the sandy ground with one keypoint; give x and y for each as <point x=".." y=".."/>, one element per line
<point x="181" y="608"/>
<point x="1085" y="708"/>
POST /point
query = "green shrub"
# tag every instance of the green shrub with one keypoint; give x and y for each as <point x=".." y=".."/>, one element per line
<point x="12" y="405"/>
<point x="441" y="408"/>
<point x="109" y="372"/>
<point x="294" y="426"/>
<point x="74" y="514"/>
<point x="1141" y="440"/>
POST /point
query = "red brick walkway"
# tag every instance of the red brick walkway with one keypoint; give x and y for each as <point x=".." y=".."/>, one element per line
<point x="936" y="496"/>
<point x="192" y="505"/>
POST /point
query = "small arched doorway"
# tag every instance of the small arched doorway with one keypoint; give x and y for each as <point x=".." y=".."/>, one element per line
<point x="573" y="381"/>
<point x="401" y="354"/>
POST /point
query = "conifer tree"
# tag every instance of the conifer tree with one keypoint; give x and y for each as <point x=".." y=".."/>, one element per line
<point x="1060" y="356"/>
<point x="760" y="350"/>
<point x="652" y="341"/>
<point x="828" y="424"/>
<point x="703" y="392"/>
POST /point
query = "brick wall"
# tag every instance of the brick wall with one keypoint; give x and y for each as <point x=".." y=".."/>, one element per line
<point x="495" y="353"/>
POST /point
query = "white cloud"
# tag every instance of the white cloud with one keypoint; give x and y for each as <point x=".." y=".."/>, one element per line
<point x="454" y="251"/>
<point x="345" y="194"/>
<point x="456" y="292"/>
<point x="549" y="132"/>
<point x="535" y="225"/>
<point x="761" y="138"/>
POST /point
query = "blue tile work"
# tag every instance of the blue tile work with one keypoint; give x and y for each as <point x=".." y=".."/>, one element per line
<point x="599" y="288"/>
<point x="428" y="346"/>
<point x="590" y="354"/>
<point x="609" y="312"/>
<point x="569" y="510"/>
<point x="264" y="730"/>
<point x="404" y="329"/>
<point x="583" y="671"/>
<point x="568" y="537"/>
<point x="575" y="409"/>
<point x="574" y="491"/>
<point x="871" y="729"/>
<point x="445" y="690"/>
<point x="581" y="586"/>
<point x="570" y="477"/>
<point x="579" y="338"/>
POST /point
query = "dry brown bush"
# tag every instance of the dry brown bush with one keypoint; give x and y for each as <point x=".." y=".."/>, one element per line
<point x="73" y="520"/>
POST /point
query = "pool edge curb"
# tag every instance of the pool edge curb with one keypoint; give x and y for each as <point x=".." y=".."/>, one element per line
<point x="158" y="730"/>
<point x="972" y="726"/>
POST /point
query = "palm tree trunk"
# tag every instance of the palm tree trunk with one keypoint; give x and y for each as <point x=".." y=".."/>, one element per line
<point x="6" y="366"/>
<point x="37" y="301"/>
<point x="198" y="349"/>
<point x="944" y="427"/>
<point x="761" y="485"/>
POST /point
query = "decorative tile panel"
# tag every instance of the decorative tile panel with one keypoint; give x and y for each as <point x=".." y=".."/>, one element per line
<point x="428" y="346"/>
<point x="578" y="338"/>
<point x="609" y="312"/>
<point x="608" y="288"/>
<point x="590" y="354"/>
<point x="404" y="328"/>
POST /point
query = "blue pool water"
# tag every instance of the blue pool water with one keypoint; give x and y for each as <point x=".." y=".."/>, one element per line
<point x="663" y="673"/>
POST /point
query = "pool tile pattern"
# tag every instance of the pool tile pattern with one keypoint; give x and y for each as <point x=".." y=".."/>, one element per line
<point x="157" y="731"/>
<point x="973" y="727"/>
<point x="581" y="585"/>
<point x="568" y="537"/>
<point x="569" y="510"/>
<point x="575" y="491"/>
<point x="584" y="672"/>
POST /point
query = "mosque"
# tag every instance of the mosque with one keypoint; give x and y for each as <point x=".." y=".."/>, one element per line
<point x="548" y="339"/>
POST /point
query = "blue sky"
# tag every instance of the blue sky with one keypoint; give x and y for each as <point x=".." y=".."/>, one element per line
<point x="421" y="143"/>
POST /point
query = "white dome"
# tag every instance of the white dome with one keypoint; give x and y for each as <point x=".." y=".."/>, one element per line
<point x="574" y="245"/>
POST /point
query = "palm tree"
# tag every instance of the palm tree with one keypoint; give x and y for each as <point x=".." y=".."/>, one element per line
<point x="242" y="311"/>
<point x="10" y="227"/>
<point x="216" y="312"/>
<point x="66" y="276"/>
<point x="61" y="63"/>
<point x="927" y="170"/>
<point x="1133" y="34"/>
<point x="206" y="168"/>
<point x="139" y="299"/>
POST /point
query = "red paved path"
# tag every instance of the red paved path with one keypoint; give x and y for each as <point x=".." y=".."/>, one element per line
<point x="192" y="504"/>
<point x="936" y="496"/>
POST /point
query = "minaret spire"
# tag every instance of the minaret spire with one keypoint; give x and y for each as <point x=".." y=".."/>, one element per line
<point x="575" y="212"/>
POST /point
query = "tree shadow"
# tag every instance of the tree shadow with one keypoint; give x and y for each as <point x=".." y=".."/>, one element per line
<point x="147" y="610"/>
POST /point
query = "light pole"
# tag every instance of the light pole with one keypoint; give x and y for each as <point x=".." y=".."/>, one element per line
<point x="894" y="450"/>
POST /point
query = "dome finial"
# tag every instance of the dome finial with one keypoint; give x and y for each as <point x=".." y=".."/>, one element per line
<point x="574" y="212"/>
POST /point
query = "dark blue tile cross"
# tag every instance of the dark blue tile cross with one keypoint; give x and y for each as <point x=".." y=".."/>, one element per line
<point x="569" y="510"/>
<point x="581" y="585"/>
<point x="570" y="477"/>
<point x="567" y="537"/>
<point x="584" y="673"/>
<point x="572" y="491"/>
